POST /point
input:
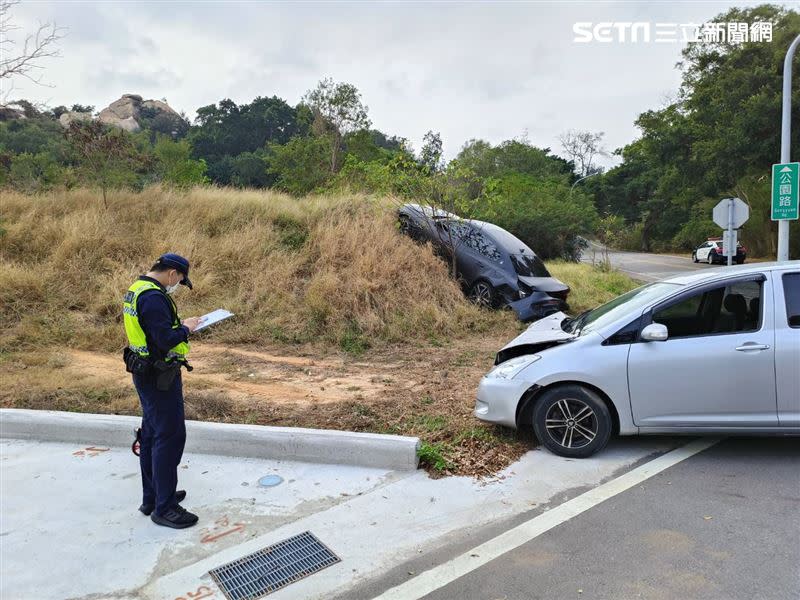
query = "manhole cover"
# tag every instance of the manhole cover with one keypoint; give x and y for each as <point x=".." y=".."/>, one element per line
<point x="274" y="567"/>
<point x="270" y="480"/>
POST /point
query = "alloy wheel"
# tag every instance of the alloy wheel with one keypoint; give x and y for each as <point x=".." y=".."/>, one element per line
<point x="482" y="294"/>
<point x="571" y="423"/>
<point x="405" y="225"/>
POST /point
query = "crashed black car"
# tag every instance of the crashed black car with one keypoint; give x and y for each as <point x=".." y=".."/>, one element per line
<point x="494" y="268"/>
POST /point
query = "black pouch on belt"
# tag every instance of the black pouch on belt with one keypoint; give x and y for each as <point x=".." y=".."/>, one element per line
<point x="165" y="374"/>
<point x="134" y="363"/>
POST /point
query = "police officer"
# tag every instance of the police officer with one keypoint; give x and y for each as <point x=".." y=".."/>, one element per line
<point x="157" y="348"/>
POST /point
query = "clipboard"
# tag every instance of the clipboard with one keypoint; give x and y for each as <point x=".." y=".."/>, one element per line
<point x="213" y="317"/>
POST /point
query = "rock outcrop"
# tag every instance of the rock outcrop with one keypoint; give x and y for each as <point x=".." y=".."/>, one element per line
<point x="10" y="113"/>
<point x="69" y="117"/>
<point x="122" y="113"/>
<point x="130" y="113"/>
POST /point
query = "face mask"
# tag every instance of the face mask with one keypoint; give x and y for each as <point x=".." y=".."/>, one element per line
<point x="171" y="288"/>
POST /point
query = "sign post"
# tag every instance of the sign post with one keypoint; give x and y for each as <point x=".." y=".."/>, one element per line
<point x="730" y="214"/>
<point x="730" y="239"/>
<point x="786" y="136"/>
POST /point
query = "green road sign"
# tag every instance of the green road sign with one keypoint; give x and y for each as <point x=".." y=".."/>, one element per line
<point x="785" y="188"/>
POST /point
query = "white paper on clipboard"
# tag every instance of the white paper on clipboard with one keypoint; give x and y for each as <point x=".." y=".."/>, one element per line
<point x="214" y="316"/>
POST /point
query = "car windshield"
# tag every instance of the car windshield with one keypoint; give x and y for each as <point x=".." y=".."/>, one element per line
<point x="609" y="312"/>
<point x="529" y="266"/>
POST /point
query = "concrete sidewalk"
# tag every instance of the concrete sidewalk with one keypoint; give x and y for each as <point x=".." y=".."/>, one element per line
<point x="69" y="527"/>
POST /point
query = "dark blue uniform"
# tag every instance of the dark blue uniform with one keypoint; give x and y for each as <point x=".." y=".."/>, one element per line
<point x="163" y="427"/>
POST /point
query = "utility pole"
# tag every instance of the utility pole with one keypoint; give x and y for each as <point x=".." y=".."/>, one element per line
<point x="786" y="138"/>
<point x="730" y="243"/>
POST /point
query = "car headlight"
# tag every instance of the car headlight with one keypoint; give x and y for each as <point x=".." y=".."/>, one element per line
<point x="510" y="368"/>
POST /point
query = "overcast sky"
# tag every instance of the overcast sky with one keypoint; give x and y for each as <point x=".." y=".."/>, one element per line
<point x="485" y="70"/>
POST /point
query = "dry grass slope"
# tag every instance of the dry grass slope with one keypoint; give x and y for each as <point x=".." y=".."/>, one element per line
<point x="307" y="278"/>
<point x="329" y="269"/>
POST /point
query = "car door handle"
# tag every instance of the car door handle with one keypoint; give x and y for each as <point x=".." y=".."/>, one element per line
<point x="752" y="346"/>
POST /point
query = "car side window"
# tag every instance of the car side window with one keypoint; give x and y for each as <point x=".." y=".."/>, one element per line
<point x="734" y="308"/>
<point x="791" y="292"/>
<point x="479" y="242"/>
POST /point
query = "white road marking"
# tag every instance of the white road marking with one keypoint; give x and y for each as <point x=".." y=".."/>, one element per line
<point x="441" y="575"/>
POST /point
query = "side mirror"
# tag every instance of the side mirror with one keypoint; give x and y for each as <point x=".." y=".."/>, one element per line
<point x="655" y="332"/>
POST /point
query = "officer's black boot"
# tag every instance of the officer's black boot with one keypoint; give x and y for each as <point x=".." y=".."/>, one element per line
<point x="176" y="517"/>
<point x="146" y="509"/>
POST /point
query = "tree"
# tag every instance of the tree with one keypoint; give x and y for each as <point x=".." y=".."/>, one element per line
<point x="534" y="210"/>
<point x="162" y="122"/>
<point x="717" y="139"/>
<point x="511" y="156"/>
<point x="225" y="130"/>
<point x="582" y="147"/>
<point x="430" y="157"/>
<point x="25" y="62"/>
<point x="301" y="165"/>
<point x="106" y="155"/>
<point x="399" y="175"/>
<point x="369" y="145"/>
<point x="338" y="111"/>
<point x="176" y="165"/>
<point x="249" y="169"/>
<point x="34" y="136"/>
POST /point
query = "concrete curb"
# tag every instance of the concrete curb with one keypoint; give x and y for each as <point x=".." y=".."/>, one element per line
<point x="247" y="441"/>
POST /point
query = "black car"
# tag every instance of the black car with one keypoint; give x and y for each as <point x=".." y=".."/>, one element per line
<point x="494" y="268"/>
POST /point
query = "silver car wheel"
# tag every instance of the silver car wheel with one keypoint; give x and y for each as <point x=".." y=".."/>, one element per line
<point x="571" y="423"/>
<point x="405" y="225"/>
<point x="482" y="294"/>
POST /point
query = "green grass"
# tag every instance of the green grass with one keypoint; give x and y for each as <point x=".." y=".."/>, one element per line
<point x="590" y="286"/>
<point x="292" y="234"/>
<point x="433" y="456"/>
<point x="429" y="423"/>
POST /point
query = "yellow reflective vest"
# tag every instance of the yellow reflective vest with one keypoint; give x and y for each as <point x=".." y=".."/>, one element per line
<point x="137" y="341"/>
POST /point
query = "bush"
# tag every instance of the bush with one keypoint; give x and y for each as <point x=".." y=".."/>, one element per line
<point x="249" y="169"/>
<point x="302" y="165"/>
<point x="541" y="212"/>
<point x="176" y="165"/>
<point x="399" y="176"/>
<point x="31" y="173"/>
<point x="694" y="233"/>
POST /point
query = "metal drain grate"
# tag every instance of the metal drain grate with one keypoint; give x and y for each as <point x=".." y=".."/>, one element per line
<point x="274" y="567"/>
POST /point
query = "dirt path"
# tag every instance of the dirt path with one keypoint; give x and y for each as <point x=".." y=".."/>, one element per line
<point x="248" y="374"/>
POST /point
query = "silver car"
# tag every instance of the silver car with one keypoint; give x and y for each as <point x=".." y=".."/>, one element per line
<point x="712" y="352"/>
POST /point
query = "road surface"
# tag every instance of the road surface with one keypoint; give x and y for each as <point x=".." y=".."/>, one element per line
<point x="722" y="523"/>
<point x="641" y="265"/>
